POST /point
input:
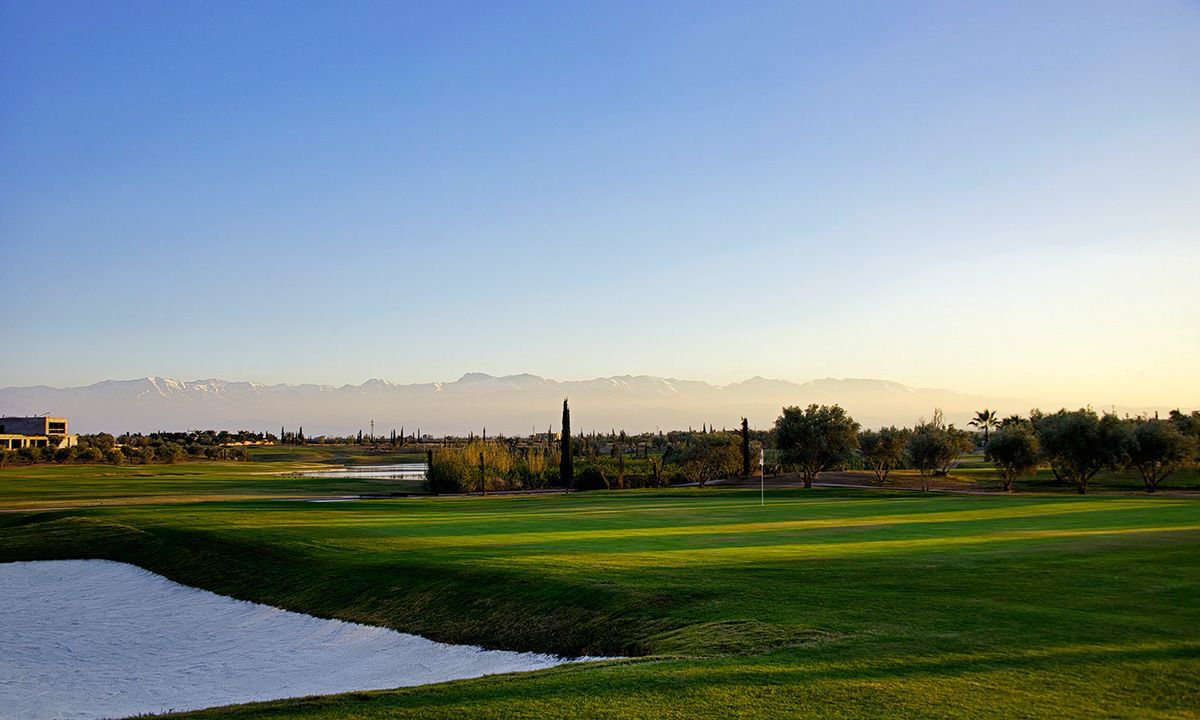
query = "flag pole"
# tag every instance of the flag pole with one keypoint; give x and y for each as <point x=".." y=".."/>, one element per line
<point x="762" y="478"/>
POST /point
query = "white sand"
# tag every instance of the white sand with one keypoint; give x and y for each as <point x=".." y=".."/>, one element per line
<point x="90" y="639"/>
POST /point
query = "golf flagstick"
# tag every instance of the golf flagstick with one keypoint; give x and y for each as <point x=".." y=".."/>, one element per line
<point x="762" y="478"/>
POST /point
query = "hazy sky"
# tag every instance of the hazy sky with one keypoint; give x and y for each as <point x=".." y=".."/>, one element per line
<point x="995" y="197"/>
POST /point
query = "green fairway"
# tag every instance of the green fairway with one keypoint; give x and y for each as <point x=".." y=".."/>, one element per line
<point x="984" y="476"/>
<point x="824" y="603"/>
<point x="976" y="474"/>
<point x="273" y="471"/>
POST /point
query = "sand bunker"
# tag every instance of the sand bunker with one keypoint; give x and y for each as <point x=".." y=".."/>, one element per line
<point x="90" y="639"/>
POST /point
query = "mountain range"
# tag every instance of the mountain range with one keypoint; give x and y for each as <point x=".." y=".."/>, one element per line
<point x="509" y="404"/>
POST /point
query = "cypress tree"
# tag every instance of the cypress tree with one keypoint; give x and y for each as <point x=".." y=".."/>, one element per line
<point x="301" y="439"/>
<point x="566" y="466"/>
<point x="280" y="434"/>
<point x="745" y="447"/>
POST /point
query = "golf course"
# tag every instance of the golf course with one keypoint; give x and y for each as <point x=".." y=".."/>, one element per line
<point x="828" y="602"/>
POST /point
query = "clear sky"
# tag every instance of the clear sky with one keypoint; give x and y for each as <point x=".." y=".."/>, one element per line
<point x="995" y="197"/>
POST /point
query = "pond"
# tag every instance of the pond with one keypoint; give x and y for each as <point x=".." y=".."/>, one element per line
<point x="91" y="639"/>
<point x="403" y="471"/>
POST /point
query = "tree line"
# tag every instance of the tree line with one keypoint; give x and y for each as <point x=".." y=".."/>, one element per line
<point x="591" y="461"/>
<point x="1074" y="444"/>
<point x="145" y="449"/>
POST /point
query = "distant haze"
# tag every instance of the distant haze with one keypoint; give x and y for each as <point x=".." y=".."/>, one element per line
<point x="512" y="404"/>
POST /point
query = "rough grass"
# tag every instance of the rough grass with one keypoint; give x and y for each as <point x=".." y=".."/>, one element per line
<point x="825" y="603"/>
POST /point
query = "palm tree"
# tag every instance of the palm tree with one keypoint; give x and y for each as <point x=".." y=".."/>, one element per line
<point x="985" y="420"/>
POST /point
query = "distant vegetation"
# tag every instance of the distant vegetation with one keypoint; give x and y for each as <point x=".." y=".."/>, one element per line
<point x="161" y="447"/>
<point x="1073" y="446"/>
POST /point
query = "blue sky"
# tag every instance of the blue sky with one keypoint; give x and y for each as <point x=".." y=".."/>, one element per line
<point x="995" y="197"/>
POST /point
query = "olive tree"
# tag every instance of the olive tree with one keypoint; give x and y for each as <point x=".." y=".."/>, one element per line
<point x="711" y="456"/>
<point x="1015" y="452"/>
<point x="1080" y="443"/>
<point x="931" y="448"/>
<point x="883" y="451"/>
<point x="1189" y="425"/>
<point x="1158" y="448"/>
<point x="816" y="439"/>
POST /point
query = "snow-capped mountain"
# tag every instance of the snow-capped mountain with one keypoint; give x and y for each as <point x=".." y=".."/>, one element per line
<point x="508" y="404"/>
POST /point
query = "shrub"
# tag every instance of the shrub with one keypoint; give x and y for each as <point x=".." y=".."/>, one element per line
<point x="590" y="478"/>
<point x="448" y="472"/>
<point x="90" y="455"/>
<point x="457" y="469"/>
